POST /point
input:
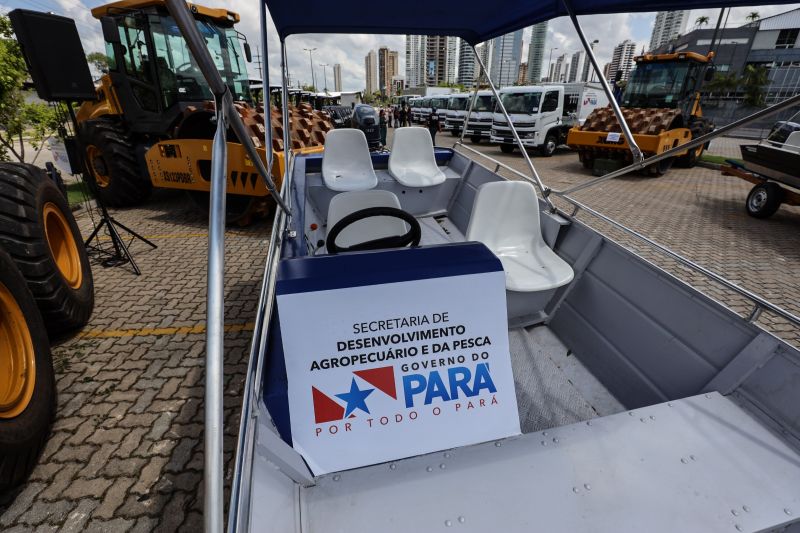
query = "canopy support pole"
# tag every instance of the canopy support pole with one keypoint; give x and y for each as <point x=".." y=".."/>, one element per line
<point x="626" y="131"/>
<point x="265" y="96"/>
<point x="285" y="111"/>
<point x="537" y="180"/>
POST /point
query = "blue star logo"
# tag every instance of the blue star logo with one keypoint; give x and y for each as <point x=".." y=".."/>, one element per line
<point x="355" y="398"/>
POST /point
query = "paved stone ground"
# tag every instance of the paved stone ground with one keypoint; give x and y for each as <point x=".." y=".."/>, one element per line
<point x="126" y="449"/>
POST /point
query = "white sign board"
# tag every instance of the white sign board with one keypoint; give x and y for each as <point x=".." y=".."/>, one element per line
<point x="613" y="137"/>
<point x="382" y="372"/>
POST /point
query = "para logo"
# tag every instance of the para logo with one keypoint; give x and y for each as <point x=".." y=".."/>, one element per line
<point x="326" y="409"/>
<point x="445" y="385"/>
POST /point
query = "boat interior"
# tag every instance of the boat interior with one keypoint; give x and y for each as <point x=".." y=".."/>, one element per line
<point x="643" y="403"/>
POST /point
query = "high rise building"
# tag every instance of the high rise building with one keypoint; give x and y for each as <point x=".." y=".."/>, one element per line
<point x="536" y="51"/>
<point x="451" y="68"/>
<point x="337" y="77"/>
<point x="506" y="57"/>
<point x="558" y="72"/>
<point x="436" y="60"/>
<point x="484" y="53"/>
<point x="371" y="70"/>
<point x="667" y="26"/>
<point x="576" y="67"/>
<point x="466" y="64"/>
<point x="622" y="59"/>
<point x="387" y="69"/>
<point x="522" y="79"/>
<point x="415" y="60"/>
<point x="587" y="67"/>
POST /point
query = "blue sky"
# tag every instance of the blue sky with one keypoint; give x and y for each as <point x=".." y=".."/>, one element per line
<point x="349" y="50"/>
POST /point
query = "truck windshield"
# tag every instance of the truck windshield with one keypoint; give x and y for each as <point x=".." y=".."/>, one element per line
<point x="458" y="104"/>
<point x="180" y="78"/>
<point x="657" y="85"/>
<point x="439" y="103"/>
<point x="484" y="103"/>
<point x="521" y="102"/>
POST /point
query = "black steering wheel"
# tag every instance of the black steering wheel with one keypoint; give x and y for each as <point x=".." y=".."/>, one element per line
<point x="412" y="237"/>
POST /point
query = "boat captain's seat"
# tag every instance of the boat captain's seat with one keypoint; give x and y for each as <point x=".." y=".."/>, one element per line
<point x="368" y="229"/>
<point x="505" y="217"/>
<point x="346" y="163"/>
<point x="793" y="142"/>
<point x="412" y="162"/>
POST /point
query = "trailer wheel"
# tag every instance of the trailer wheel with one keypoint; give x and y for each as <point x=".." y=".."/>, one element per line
<point x="111" y="165"/>
<point x="40" y="234"/>
<point x="550" y="144"/>
<point x="27" y="384"/>
<point x="764" y="199"/>
<point x="507" y="148"/>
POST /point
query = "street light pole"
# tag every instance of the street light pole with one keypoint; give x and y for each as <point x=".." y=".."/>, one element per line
<point x="311" y="62"/>
<point x="325" y="74"/>
<point x="550" y="62"/>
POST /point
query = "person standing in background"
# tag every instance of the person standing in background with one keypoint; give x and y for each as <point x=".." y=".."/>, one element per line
<point x="434" y="124"/>
<point x="382" y="125"/>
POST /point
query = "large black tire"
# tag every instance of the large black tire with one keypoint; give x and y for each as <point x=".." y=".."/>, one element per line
<point x="38" y="231"/>
<point x="475" y="139"/>
<point x="659" y="168"/>
<point x="549" y="146"/>
<point x="507" y="148"/>
<point x="698" y="127"/>
<point x="27" y="408"/>
<point x="764" y="199"/>
<point x="112" y="168"/>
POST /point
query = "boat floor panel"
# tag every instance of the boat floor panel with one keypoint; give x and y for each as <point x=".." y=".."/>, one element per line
<point x="697" y="464"/>
<point x="553" y="387"/>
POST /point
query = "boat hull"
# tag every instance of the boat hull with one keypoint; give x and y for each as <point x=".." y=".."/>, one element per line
<point x="774" y="163"/>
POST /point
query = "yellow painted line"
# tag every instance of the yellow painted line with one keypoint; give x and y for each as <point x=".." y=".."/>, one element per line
<point x="141" y="332"/>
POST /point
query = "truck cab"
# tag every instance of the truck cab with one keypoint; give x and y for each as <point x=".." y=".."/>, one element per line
<point x="479" y="121"/>
<point x="543" y="114"/>
<point x="456" y="113"/>
<point x="439" y="103"/>
<point x="424" y="109"/>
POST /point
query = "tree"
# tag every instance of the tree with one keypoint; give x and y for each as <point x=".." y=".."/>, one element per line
<point x="309" y="88"/>
<point x="20" y="121"/>
<point x="701" y="21"/>
<point x="753" y="82"/>
<point x="753" y="16"/>
<point x="722" y="83"/>
<point x="99" y="61"/>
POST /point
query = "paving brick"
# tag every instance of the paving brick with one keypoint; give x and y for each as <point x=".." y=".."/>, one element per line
<point x="83" y="487"/>
<point x="76" y="520"/>
<point x="21" y="503"/>
<point x="41" y="511"/>
<point x="114" y="498"/>
<point x="149" y="475"/>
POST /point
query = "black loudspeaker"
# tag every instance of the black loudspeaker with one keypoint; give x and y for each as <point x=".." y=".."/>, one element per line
<point x="54" y="55"/>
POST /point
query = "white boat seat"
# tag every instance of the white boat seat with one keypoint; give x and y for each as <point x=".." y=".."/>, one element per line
<point x="793" y="142"/>
<point x="505" y="217"/>
<point x="368" y="229"/>
<point x="346" y="164"/>
<point x="412" y="162"/>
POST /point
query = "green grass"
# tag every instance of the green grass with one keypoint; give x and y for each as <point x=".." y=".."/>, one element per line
<point x="76" y="191"/>
<point x="718" y="159"/>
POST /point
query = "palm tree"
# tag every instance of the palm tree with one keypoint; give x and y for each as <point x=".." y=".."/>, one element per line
<point x="701" y="21"/>
<point x="753" y="16"/>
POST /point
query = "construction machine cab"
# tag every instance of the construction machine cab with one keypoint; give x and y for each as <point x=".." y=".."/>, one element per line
<point x="666" y="81"/>
<point x="151" y="69"/>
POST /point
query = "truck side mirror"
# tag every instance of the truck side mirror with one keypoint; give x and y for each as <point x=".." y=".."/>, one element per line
<point x="710" y="71"/>
<point x="247" y="53"/>
<point x="110" y="33"/>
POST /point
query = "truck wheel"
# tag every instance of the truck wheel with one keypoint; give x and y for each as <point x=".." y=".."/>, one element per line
<point x="764" y="199"/>
<point x="659" y="168"/>
<point x="507" y="148"/>
<point x="27" y="384"/>
<point x="549" y="147"/>
<point x="475" y="139"/>
<point x="40" y="234"/>
<point x="111" y="165"/>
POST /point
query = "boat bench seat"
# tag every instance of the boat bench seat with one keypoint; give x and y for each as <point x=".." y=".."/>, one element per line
<point x="412" y="162"/>
<point x="505" y="217"/>
<point x="346" y="163"/>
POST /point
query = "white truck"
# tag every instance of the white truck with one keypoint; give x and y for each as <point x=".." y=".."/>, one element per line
<point x="456" y="113"/>
<point x="543" y="114"/>
<point x="479" y="122"/>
